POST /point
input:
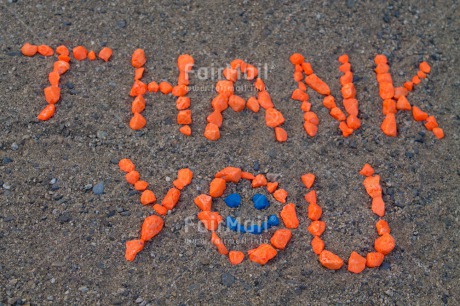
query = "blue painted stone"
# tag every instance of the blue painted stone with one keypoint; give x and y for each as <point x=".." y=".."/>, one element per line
<point x="234" y="225"/>
<point x="241" y="229"/>
<point x="231" y="223"/>
<point x="265" y="226"/>
<point x="233" y="200"/>
<point x="260" y="201"/>
<point x="273" y="220"/>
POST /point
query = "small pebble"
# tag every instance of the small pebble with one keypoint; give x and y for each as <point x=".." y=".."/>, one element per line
<point x="228" y="279"/>
<point x="256" y="166"/>
<point x="6" y="186"/>
<point x="98" y="189"/>
<point x="101" y="134"/>
<point x="409" y="154"/>
<point x="350" y="3"/>
<point x="64" y="218"/>
<point x="14" y="53"/>
<point x="420" y="138"/>
<point x="14" y="146"/>
<point x="111" y="213"/>
<point x="121" y="24"/>
<point x="273" y="177"/>
<point x="435" y="57"/>
<point x="53" y="181"/>
<point x="121" y="291"/>
<point x="6" y="160"/>
<point x="356" y="78"/>
<point x="386" y="18"/>
<point x="385" y="266"/>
